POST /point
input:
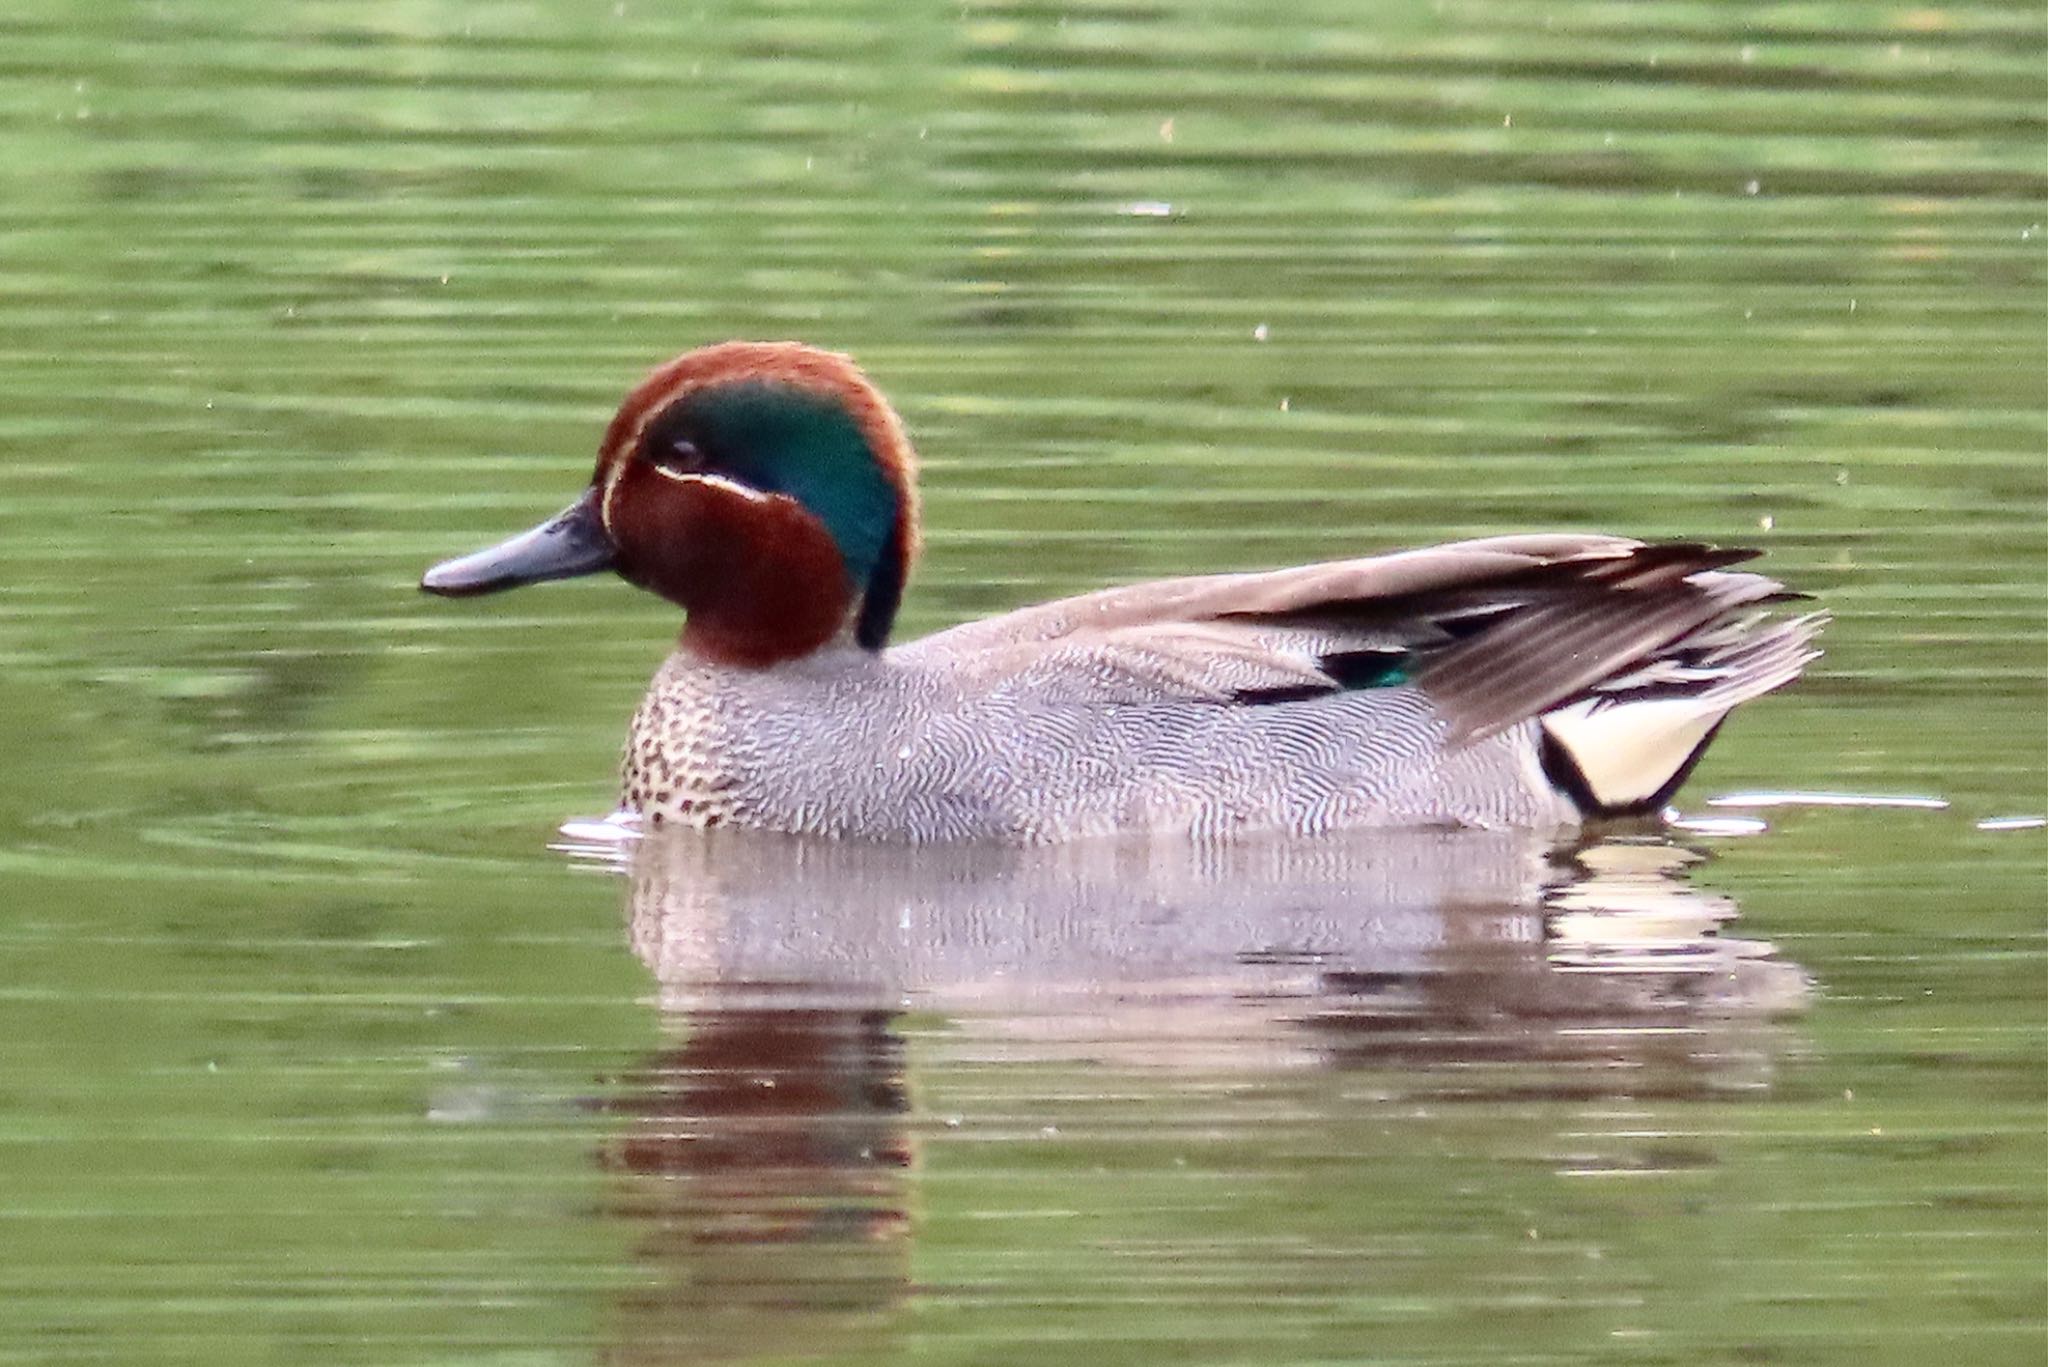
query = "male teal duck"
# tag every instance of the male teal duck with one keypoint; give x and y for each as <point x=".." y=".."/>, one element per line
<point x="768" y="489"/>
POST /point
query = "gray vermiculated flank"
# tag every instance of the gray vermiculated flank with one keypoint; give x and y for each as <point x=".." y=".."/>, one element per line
<point x="864" y="746"/>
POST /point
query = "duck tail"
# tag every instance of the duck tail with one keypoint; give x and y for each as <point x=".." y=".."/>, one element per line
<point x="1625" y="745"/>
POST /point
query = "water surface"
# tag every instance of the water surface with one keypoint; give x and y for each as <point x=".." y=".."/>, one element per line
<point x="312" y="1050"/>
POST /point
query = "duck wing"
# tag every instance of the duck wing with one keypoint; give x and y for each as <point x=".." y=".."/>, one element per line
<point x="1494" y="631"/>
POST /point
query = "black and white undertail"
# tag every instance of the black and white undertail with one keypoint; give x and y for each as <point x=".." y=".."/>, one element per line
<point x="1629" y="669"/>
<point x="1628" y="743"/>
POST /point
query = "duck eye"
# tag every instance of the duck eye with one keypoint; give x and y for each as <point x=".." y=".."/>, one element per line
<point x="680" y="454"/>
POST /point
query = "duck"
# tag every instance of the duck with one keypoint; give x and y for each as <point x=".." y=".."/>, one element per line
<point x="1537" y="681"/>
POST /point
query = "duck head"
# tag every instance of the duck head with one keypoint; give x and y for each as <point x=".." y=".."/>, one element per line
<point x="767" y="488"/>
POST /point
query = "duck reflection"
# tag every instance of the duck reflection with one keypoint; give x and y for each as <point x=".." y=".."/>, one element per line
<point x="762" y="1161"/>
<point x="766" y="1156"/>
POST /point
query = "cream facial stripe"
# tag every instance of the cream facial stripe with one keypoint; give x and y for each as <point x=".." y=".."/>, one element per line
<point x="604" y="500"/>
<point x="630" y="444"/>
<point x="731" y="486"/>
<point x="709" y="481"/>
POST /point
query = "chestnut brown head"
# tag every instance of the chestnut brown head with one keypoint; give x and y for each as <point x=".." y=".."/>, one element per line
<point x="765" y="487"/>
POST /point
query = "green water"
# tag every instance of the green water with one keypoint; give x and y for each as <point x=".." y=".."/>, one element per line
<point x="311" y="1050"/>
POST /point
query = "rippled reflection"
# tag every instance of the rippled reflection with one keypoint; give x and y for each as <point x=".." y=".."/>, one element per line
<point x="767" y="1156"/>
<point x="762" y="1171"/>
